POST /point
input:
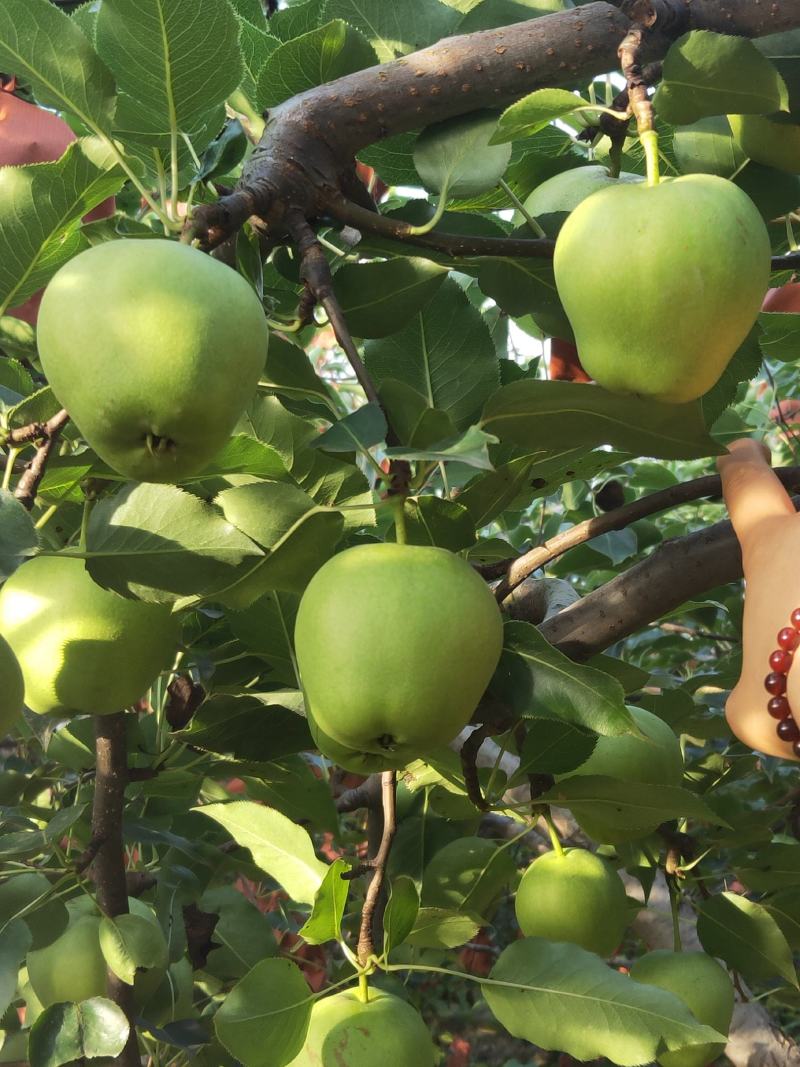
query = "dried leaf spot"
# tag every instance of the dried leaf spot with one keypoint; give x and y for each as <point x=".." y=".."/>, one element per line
<point x="501" y="49"/>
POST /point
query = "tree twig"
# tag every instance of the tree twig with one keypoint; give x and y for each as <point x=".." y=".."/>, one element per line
<point x="109" y="861"/>
<point x="48" y="432"/>
<point x="683" y="493"/>
<point x="316" y="275"/>
<point x="366" y="936"/>
<point x="367" y="795"/>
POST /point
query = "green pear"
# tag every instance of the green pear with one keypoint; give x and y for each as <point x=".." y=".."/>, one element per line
<point x="82" y="648"/>
<point x="576" y="897"/>
<point x="155" y="349"/>
<point x="703" y="986"/>
<point x="348" y="759"/>
<point x="655" y="759"/>
<point x="396" y="645"/>
<point x="71" y="968"/>
<point x="691" y="263"/>
<point x="468" y="875"/>
<point x="769" y="141"/>
<point x="12" y="688"/>
<point x="563" y="192"/>
<point x="346" y="1032"/>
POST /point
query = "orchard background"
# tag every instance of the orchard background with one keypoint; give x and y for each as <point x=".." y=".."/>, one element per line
<point x="192" y="849"/>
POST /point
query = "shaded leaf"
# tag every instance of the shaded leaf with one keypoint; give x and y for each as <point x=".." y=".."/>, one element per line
<point x="746" y="936"/>
<point x="325" y="922"/>
<point x="67" y="1032"/>
<point x="379" y="298"/>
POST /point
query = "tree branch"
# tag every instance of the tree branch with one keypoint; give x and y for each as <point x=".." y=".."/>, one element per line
<point x="304" y="160"/>
<point x="709" y="486"/>
<point x="48" y="433"/>
<point x="109" y="860"/>
<point x="366" y="941"/>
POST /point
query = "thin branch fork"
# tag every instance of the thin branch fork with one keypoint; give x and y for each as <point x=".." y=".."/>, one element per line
<point x="665" y="499"/>
<point x="48" y="433"/>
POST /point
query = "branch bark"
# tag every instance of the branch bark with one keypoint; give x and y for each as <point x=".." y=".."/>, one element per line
<point x="48" y="433"/>
<point x="304" y="160"/>
<point x="366" y="937"/>
<point x="109" y="857"/>
<point x="708" y="486"/>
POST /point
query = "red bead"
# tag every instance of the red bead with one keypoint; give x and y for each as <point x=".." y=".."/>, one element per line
<point x="788" y="638"/>
<point x="775" y="684"/>
<point x="780" y="660"/>
<point x="788" y="731"/>
<point x="779" y="708"/>
<point x="795" y="616"/>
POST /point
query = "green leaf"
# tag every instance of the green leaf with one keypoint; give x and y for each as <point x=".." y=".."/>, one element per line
<point x="40" y="212"/>
<point x="442" y="928"/>
<point x="264" y="1019"/>
<point x="414" y="422"/>
<point x="527" y="478"/>
<point x="460" y="157"/>
<point x="401" y="912"/>
<point x="360" y="430"/>
<point x="15" y="941"/>
<point x="554" y="747"/>
<point x="18" y="537"/>
<point x="379" y="298"/>
<point x="325" y="922"/>
<point x="432" y="520"/>
<point x="298" y="538"/>
<point x="489" y="14"/>
<point x="640" y="804"/>
<point x="288" y="372"/>
<point x="65" y="1033"/>
<point x="560" y="997"/>
<point x="45" y="49"/>
<point x="780" y="337"/>
<point x="533" y="112"/>
<point x="17" y="339"/>
<point x="242" y="932"/>
<point x="470" y="448"/>
<point x="257" y="46"/>
<point x="156" y="541"/>
<point x="174" y="64"/>
<point x="243" y="455"/>
<point x="31" y="897"/>
<point x="538" y="415"/>
<point x="746" y="936"/>
<point x="251" y="727"/>
<point x="774" y="866"/>
<point x="266" y="628"/>
<point x="321" y="55"/>
<point x="709" y="73"/>
<point x="398" y="27"/>
<point x="280" y="848"/>
<point x="131" y="942"/>
<point x="445" y="353"/>
<point x="707" y="147"/>
<point x="537" y="680"/>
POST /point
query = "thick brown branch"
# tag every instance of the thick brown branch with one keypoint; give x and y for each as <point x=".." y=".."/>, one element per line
<point x="367" y="795"/>
<point x="48" y="432"/>
<point x="366" y="942"/>
<point x="677" y="571"/>
<point x="109" y="862"/>
<point x="305" y="157"/>
<point x="708" y="486"/>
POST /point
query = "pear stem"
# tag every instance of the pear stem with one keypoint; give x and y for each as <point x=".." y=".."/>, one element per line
<point x="649" y="139"/>
<point x="555" y="840"/>
<point x="363" y="988"/>
<point x="434" y="220"/>
<point x="515" y="200"/>
<point x="398" y="503"/>
<point x="675" y="907"/>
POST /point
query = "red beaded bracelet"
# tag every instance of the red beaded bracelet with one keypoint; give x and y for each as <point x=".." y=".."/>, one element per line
<point x="775" y="683"/>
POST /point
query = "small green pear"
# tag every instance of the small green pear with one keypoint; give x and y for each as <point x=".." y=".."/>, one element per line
<point x="82" y="648"/>
<point x="655" y="759"/>
<point x="576" y="897"/>
<point x="769" y="141"/>
<point x="396" y="645"/>
<point x="691" y="263"/>
<point x="563" y="192"/>
<point x="346" y="1032"/>
<point x="71" y="968"/>
<point x="705" y="989"/>
<point x="155" y="349"/>
<point x="12" y="687"/>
